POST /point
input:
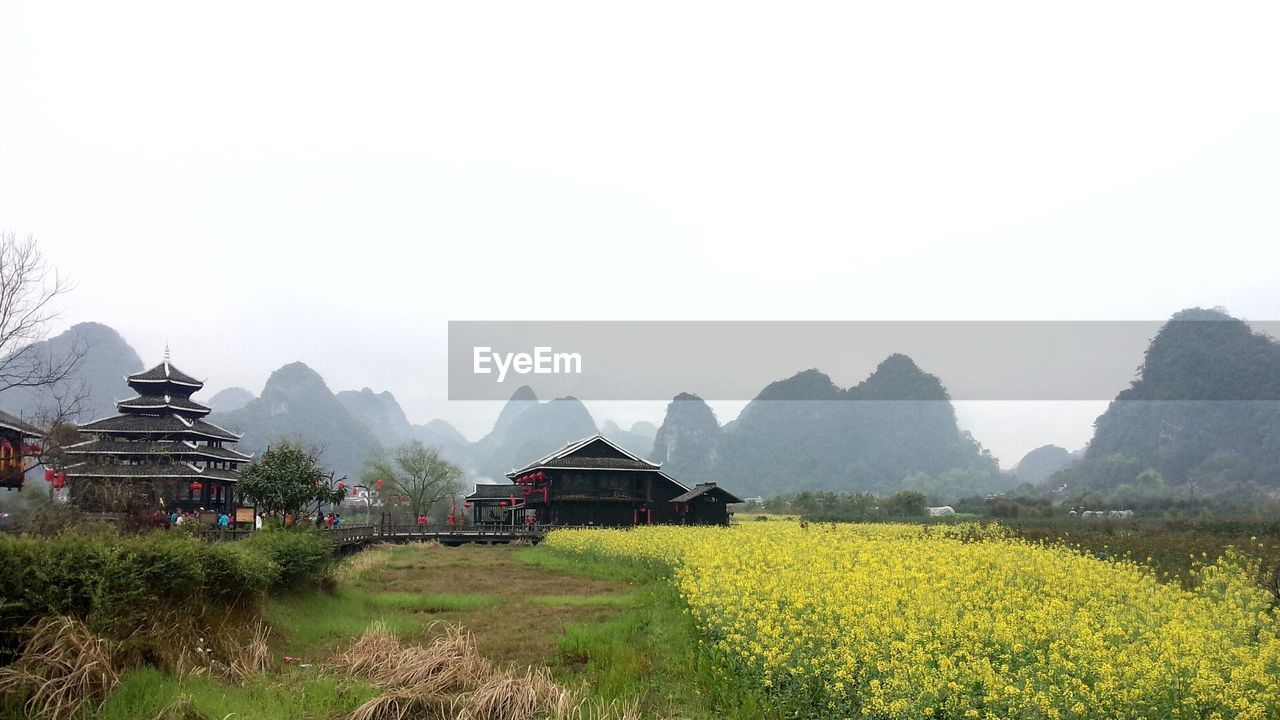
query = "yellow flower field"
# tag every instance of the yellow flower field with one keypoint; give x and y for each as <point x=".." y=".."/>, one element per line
<point x="905" y="621"/>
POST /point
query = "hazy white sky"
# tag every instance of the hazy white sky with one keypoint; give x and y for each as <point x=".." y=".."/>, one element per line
<point x="258" y="183"/>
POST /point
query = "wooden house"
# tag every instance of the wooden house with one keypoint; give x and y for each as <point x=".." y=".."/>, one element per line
<point x="596" y="482"/>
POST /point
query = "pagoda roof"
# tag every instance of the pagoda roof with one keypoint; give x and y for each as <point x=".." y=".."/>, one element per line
<point x="155" y="471"/>
<point x="165" y="372"/>
<point x="172" y="424"/>
<point x="572" y="456"/>
<point x="175" y="448"/>
<point x="178" y="403"/>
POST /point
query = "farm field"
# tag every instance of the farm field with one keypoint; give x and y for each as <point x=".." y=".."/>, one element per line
<point x="960" y="621"/>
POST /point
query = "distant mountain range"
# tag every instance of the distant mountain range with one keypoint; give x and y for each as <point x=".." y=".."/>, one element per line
<point x="895" y="430"/>
<point x="1203" y="411"/>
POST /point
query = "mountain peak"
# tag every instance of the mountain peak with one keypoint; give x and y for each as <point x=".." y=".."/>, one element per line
<point x="524" y="393"/>
<point x="811" y="384"/>
<point x="897" y="377"/>
<point x="294" y="379"/>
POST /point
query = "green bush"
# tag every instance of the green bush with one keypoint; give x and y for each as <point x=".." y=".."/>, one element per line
<point x="304" y="556"/>
<point x="121" y="585"/>
<point x="236" y="573"/>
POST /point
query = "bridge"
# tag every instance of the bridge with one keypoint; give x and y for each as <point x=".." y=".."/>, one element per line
<point x="355" y="536"/>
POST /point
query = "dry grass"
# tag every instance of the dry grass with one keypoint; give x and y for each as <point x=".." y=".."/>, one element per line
<point x="403" y="705"/>
<point x="449" y="664"/>
<point x="366" y="561"/>
<point x="507" y="696"/>
<point x="248" y="658"/>
<point x="449" y="679"/>
<point x="63" y="669"/>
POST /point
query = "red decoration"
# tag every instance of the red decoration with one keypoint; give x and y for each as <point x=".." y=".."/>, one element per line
<point x="466" y="505"/>
<point x="342" y="486"/>
<point x="379" y="484"/>
<point x="502" y="503"/>
<point x="48" y="475"/>
<point x="196" y="486"/>
<point x="59" y="481"/>
<point x="355" y="492"/>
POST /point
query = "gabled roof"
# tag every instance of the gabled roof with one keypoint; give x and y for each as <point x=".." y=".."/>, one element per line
<point x="17" y="424"/>
<point x="492" y="491"/>
<point x="707" y="489"/>
<point x="565" y="457"/>
<point x="165" y="372"/>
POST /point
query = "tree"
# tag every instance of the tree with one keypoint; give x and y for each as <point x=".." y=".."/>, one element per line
<point x="905" y="504"/>
<point x="288" y="479"/>
<point x="28" y="289"/>
<point x="417" y="472"/>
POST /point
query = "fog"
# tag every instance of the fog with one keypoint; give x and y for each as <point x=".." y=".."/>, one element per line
<point x="256" y="185"/>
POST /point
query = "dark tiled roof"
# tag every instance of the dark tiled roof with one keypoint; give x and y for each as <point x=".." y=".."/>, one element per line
<point x="494" y="492"/>
<point x="142" y="447"/>
<point x="159" y="424"/>
<point x="13" y="422"/>
<point x="163" y="402"/>
<point x="706" y="488"/>
<point x="597" y="462"/>
<point x="149" y="471"/>
<point x="165" y="372"/>
<point x="569" y="452"/>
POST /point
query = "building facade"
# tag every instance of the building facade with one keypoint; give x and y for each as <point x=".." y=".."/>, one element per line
<point x="596" y="482"/>
<point x="159" y="445"/>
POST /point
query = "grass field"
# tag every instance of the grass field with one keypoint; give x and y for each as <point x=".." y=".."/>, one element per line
<point x="619" y="632"/>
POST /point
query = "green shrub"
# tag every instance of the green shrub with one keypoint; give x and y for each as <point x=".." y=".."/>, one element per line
<point x="304" y="556"/>
<point x="236" y="573"/>
<point x="122" y="585"/>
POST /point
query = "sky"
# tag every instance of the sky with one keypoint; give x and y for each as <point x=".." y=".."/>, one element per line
<point x="259" y="183"/>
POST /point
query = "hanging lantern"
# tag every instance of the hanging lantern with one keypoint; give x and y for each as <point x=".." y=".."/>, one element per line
<point x="195" y="486"/>
<point x="466" y="505"/>
<point x="355" y="492"/>
<point x="48" y="475"/>
<point x="342" y="486"/>
<point x="59" y="481"/>
<point x="379" y="484"/>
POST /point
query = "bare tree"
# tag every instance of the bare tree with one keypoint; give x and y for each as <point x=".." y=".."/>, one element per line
<point x="417" y="472"/>
<point x="29" y="288"/>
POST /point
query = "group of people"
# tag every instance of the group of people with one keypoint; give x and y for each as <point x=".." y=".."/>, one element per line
<point x="326" y="522"/>
<point x="224" y="521"/>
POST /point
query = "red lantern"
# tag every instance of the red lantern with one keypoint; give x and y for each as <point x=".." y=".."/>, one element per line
<point x="48" y="475"/>
<point x="502" y="503"/>
<point x="355" y="492"/>
<point x="196" y="486"/>
<point x="342" y="486"/>
<point x="59" y="481"/>
<point x="379" y="484"/>
<point x="466" y="505"/>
